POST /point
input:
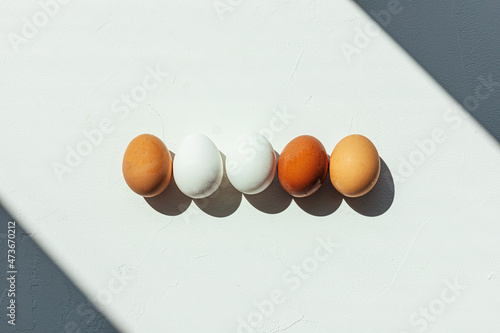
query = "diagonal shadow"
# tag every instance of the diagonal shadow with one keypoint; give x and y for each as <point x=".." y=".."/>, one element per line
<point x="45" y="299"/>
<point x="456" y="42"/>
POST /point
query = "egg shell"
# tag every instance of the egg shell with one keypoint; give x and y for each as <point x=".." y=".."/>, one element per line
<point x="147" y="165"/>
<point x="198" y="167"/>
<point x="251" y="164"/>
<point x="303" y="166"/>
<point x="354" y="166"/>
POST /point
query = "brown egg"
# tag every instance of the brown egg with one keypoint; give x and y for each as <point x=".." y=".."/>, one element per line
<point x="302" y="166"/>
<point x="147" y="165"/>
<point x="354" y="166"/>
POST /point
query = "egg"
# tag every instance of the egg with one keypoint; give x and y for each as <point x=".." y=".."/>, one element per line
<point x="302" y="166"/>
<point x="198" y="167"/>
<point x="147" y="165"/>
<point x="354" y="166"/>
<point x="251" y="164"/>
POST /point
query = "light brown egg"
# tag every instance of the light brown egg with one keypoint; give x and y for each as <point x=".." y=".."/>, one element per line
<point x="147" y="165"/>
<point x="302" y="166"/>
<point x="354" y="166"/>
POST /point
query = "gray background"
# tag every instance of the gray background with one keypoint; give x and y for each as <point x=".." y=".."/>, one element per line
<point x="457" y="42"/>
<point x="47" y="301"/>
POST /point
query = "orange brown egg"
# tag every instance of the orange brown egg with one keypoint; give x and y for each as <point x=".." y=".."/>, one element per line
<point x="354" y="166"/>
<point x="302" y="166"/>
<point x="147" y="165"/>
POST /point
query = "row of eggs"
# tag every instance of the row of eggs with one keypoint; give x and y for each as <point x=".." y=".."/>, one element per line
<point x="251" y="165"/>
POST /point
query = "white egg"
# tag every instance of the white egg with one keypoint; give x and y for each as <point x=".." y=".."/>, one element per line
<point x="198" y="167"/>
<point x="251" y="164"/>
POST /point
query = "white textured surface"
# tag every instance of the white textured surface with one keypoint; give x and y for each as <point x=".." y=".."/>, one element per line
<point x="190" y="271"/>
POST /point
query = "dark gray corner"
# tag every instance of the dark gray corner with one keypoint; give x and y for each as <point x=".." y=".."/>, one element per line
<point x="46" y="301"/>
<point x="457" y="42"/>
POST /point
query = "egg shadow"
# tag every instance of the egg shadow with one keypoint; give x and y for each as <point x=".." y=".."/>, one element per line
<point x="224" y="201"/>
<point x="274" y="199"/>
<point x="379" y="199"/>
<point x="323" y="202"/>
<point x="171" y="201"/>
